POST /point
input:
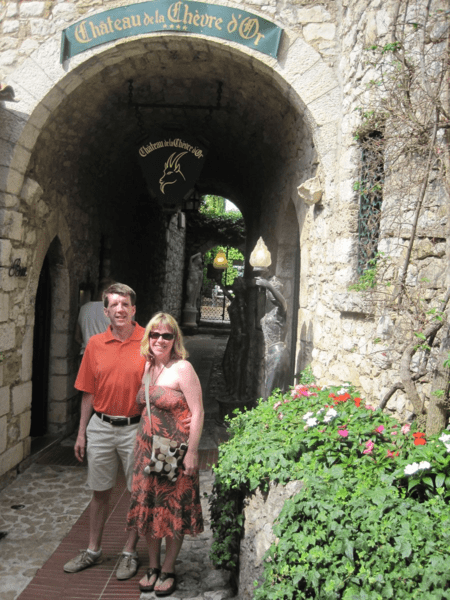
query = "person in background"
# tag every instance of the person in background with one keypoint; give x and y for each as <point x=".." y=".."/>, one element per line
<point x="92" y="318"/>
<point x="110" y="376"/>
<point x="162" y="508"/>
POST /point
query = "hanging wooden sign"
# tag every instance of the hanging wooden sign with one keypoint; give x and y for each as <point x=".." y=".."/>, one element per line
<point x="171" y="167"/>
<point x="214" y="20"/>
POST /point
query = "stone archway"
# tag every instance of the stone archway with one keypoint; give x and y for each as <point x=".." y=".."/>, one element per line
<point x="72" y="134"/>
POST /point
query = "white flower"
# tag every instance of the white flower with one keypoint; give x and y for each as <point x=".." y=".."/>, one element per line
<point x="307" y="416"/>
<point x="311" y="422"/>
<point x="424" y="464"/>
<point x="411" y="469"/>
<point x="330" y="415"/>
<point x="448" y="447"/>
<point x="445" y="438"/>
<point x="341" y="391"/>
<point x="320" y="410"/>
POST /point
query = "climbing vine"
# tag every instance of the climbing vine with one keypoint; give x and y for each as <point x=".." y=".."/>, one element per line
<point x="407" y="106"/>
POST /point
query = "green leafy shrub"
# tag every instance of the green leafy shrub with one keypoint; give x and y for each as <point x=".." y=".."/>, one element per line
<point x="363" y="472"/>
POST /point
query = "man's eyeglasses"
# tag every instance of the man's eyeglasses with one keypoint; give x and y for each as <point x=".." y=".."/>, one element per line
<point x="154" y="335"/>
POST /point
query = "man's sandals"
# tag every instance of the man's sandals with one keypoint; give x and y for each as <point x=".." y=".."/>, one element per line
<point x="161" y="579"/>
<point x="151" y="574"/>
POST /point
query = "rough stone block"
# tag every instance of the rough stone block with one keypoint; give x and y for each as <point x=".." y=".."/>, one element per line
<point x="27" y="354"/>
<point x="316" y="31"/>
<point x="7" y="336"/>
<point x="4" y="400"/>
<point x="11" y="224"/>
<point x="11" y="26"/>
<point x="25" y="424"/>
<point x="59" y="345"/>
<point x="21" y="398"/>
<point x="61" y="320"/>
<point x="8" y="200"/>
<point x="12" y="10"/>
<point x="10" y="180"/>
<point x="60" y="366"/>
<point x="58" y="387"/>
<point x="41" y="27"/>
<point x="5" y="252"/>
<point x="315" y="14"/>
<point x="31" y="191"/>
<point x="21" y="158"/>
<point x="29" y="136"/>
<point x="32" y="76"/>
<point x="3" y="434"/>
<point x="11" y="458"/>
<point x="326" y="108"/>
<point x="31" y="9"/>
<point x="58" y="412"/>
<point x="4" y="307"/>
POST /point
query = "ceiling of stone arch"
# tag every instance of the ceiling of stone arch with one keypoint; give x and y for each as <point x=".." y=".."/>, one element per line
<point x="254" y="137"/>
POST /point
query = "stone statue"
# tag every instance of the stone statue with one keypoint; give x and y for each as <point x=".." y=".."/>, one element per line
<point x="194" y="281"/>
<point x="234" y="359"/>
<point x="274" y="329"/>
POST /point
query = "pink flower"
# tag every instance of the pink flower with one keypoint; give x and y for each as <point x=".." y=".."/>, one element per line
<point x="369" y="447"/>
<point x="343" y="432"/>
<point x="280" y="416"/>
<point x="380" y="429"/>
<point x="369" y="407"/>
<point x="406" y="428"/>
<point x="276" y="405"/>
<point x="394" y="432"/>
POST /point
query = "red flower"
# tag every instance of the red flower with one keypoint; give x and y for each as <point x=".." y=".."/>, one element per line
<point x="357" y="402"/>
<point x="419" y="442"/>
<point x="418" y="435"/>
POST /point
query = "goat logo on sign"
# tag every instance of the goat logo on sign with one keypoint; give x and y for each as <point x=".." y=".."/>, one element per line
<point x="172" y="171"/>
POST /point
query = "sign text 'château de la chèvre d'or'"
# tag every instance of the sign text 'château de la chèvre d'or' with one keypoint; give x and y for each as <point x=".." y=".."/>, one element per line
<point x="177" y="17"/>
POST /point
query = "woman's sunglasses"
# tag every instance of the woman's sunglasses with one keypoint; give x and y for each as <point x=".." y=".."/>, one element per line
<point x="154" y="335"/>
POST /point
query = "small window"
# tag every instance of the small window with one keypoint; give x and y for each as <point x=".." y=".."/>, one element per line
<point x="370" y="189"/>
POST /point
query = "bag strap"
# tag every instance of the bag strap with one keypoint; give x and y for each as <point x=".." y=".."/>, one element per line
<point x="147" y="399"/>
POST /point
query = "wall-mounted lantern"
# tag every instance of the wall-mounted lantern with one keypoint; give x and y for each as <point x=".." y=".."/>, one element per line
<point x="260" y="258"/>
<point x="220" y="261"/>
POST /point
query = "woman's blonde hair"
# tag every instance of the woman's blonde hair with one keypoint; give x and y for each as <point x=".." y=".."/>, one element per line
<point x="178" y="349"/>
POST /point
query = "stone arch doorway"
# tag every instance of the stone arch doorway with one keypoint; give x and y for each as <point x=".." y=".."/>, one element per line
<point x="49" y="406"/>
<point x="41" y="353"/>
<point x="74" y="136"/>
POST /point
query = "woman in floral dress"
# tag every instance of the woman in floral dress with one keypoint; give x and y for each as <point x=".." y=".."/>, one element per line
<point x="161" y="508"/>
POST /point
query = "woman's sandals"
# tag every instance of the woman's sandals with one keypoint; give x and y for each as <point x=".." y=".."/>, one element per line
<point x="151" y="573"/>
<point x="161" y="579"/>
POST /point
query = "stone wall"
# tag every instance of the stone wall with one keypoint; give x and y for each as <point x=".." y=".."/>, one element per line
<point x="260" y="512"/>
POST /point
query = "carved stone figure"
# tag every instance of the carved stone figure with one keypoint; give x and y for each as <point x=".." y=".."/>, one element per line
<point x="194" y="281"/>
<point x="234" y="359"/>
<point x="274" y="329"/>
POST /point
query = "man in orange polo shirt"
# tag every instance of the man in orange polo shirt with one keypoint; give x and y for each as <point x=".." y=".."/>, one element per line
<point x="110" y="376"/>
